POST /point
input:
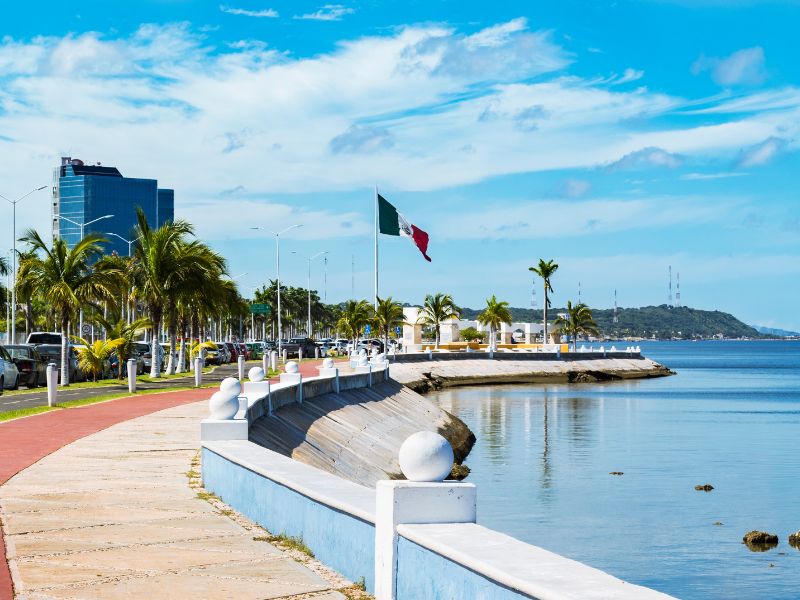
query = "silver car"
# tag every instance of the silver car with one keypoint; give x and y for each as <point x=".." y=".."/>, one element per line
<point x="9" y="376"/>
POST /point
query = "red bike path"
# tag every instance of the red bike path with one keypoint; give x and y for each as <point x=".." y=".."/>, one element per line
<point x="27" y="440"/>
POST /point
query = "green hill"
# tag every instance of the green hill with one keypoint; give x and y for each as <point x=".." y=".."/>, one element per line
<point x="648" y="320"/>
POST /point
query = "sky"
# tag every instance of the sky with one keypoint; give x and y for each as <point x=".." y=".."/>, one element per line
<point x="617" y="138"/>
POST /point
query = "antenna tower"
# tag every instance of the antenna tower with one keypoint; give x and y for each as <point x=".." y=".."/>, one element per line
<point x="579" y="292"/>
<point x="616" y="318"/>
<point x="326" y="280"/>
<point x="678" y="290"/>
<point x="353" y="276"/>
<point x="533" y="294"/>
<point x="669" y="298"/>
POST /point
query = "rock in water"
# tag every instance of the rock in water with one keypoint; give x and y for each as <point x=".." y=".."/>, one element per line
<point x="794" y="540"/>
<point x="705" y="488"/>
<point x="759" y="537"/>
<point x="459" y="472"/>
<point x="615" y="473"/>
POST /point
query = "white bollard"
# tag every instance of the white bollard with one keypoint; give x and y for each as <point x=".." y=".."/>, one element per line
<point x="132" y="376"/>
<point x="266" y="359"/>
<point x="52" y="384"/>
<point x="285" y="356"/>
<point x="430" y="353"/>
<point x="300" y="354"/>
<point x="240" y="362"/>
<point x="274" y="356"/>
<point x="198" y="371"/>
<point x="316" y="352"/>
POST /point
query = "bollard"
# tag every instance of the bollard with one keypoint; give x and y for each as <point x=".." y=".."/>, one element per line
<point x="285" y="356"/>
<point x="274" y="356"/>
<point x="198" y="371"/>
<point x="316" y="352"/>
<point x="241" y="367"/>
<point x="52" y="384"/>
<point x="491" y="352"/>
<point x="300" y="354"/>
<point x="132" y="375"/>
<point x="266" y="359"/>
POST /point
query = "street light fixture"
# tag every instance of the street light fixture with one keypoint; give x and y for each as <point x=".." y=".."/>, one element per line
<point x="309" y="284"/>
<point x="82" y="225"/>
<point x="278" y="259"/>
<point x="14" y="265"/>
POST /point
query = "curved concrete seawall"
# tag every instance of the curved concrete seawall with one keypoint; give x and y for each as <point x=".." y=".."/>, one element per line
<point x="421" y="373"/>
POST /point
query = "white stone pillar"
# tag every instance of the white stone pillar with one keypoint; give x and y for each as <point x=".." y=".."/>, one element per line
<point x="198" y="371"/>
<point x="240" y="364"/>
<point x="506" y="333"/>
<point x="425" y="459"/>
<point x="52" y="384"/>
<point x="265" y="360"/>
<point x="292" y="376"/>
<point x="132" y="375"/>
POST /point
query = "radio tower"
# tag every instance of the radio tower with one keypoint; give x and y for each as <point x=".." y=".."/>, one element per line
<point x="678" y="290"/>
<point x="533" y="294"/>
<point x="669" y="298"/>
<point x="579" y="292"/>
<point x="616" y="318"/>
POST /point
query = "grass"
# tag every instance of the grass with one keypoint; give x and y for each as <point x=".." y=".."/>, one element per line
<point x="25" y="412"/>
<point x="293" y="542"/>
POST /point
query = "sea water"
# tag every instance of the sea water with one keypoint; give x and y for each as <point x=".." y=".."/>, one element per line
<point x="729" y="418"/>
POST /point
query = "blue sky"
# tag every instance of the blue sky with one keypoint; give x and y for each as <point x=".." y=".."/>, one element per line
<point x="617" y="138"/>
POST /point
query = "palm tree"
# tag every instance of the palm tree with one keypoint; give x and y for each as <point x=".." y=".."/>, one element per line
<point x="493" y="315"/>
<point x="65" y="280"/>
<point x="355" y="315"/>
<point x="579" y="321"/>
<point x="123" y="335"/>
<point x="26" y="290"/>
<point x="545" y="270"/>
<point x="91" y="358"/>
<point x="388" y="315"/>
<point x="436" y="309"/>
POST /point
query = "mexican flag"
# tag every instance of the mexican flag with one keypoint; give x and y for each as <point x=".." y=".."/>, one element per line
<point x="392" y="222"/>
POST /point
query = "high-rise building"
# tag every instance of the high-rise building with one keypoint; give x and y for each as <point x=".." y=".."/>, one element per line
<point x="83" y="193"/>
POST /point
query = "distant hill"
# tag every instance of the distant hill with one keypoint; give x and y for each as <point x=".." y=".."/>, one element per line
<point x="774" y="330"/>
<point x="648" y="320"/>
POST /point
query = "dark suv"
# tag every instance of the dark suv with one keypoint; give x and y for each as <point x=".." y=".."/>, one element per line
<point x="293" y="346"/>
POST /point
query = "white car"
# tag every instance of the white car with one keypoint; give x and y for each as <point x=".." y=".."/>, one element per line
<point x="9" y="376"/>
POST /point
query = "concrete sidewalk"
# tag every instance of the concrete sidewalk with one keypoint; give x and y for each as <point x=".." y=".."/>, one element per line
<point x="113" y="516"/>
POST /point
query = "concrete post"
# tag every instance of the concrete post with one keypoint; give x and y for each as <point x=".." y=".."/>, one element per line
<point x="316" y="352"/>
<point x="198" y="371"/>
<point x="132" y="376"/>
<point x="491" y="351"/>
<point x="300" y="354"/>
<point x="558" y="351"/>
<point x="265" y="360"/>
<point x="285" y="356"/>
<point x="240" y="362"/>
<point x="430" y="353"/>
<point x="274" y="360"/>
<point x="52" y="384"/>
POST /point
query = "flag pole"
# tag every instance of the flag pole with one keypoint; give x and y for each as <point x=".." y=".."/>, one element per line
<point x="376" y="246"/>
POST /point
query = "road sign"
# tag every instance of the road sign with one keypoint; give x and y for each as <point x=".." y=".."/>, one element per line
<point x="259" y="308"/>
<point x="86" y="329"/>
<point x="397" y="330"/>
<point x="367" y="329"/>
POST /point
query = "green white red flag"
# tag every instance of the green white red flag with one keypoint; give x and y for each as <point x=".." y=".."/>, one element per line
<point x="392" y="222"/>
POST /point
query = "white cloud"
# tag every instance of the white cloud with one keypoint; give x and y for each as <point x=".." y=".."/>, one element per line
<point x="693" y="176"/>
<point x="249" y="13"/>
<point x="329" y="12"/>
<point x="362" y="140"/>
<point x="629" y="75"/>
<point x="646" y="157"/>
<point x="762" y="153"/>
<point x="595" y="50"/>
<point x="572" y="188"/>
<point x="742" y="67"/>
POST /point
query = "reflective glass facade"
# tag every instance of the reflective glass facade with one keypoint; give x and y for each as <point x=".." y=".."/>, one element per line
<point x="85" y="193"/>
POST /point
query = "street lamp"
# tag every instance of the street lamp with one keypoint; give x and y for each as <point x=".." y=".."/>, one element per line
<point x="14" y="265"/>
<point x="240" y="316"/>
<point x="82" y="225"/>
<point x="278" y="259"/>
<point x="252" y="289"/>
<point x="129" y="242"/>
<point x="309" y="284"/>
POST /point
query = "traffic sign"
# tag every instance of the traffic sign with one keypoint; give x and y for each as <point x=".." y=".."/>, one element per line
<point x="86" y="328"/>
<point x="259" y="308"/>
<point x="397" y="330"/>
<point x="367" y="329"/>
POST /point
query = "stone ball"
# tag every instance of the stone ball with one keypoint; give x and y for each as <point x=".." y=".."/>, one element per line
<point x="426" y="456"/>
<point x="291" y="367"/>
<point x="380" y="357"/>
<point x="363" y="352"/>
<point x="256" y="374"/>
<point x="231" y="385"/>
<point x="224" y="405"/>
<point x="362" y="360"/>
<point x="327" y="363"/>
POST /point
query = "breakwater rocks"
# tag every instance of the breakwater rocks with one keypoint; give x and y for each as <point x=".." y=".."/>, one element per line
<point x="421" y="374"/>
<point x="357" y="433"/>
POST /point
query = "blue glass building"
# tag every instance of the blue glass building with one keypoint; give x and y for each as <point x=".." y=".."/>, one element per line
<point x="83" y="193"/>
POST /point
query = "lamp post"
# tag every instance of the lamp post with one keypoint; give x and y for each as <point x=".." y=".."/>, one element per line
<point x="309" y="284"/>
<point x="8" y="301"/>
<point x="240" y="317"/>
<point x="252" y="289"/>
<point x="130" y="243"/>
<point x="14" y="264"/>
<point x="278" y="260"/>
<point x="82" y="225"/>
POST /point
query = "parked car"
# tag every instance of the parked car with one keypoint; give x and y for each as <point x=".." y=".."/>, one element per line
<point x="233" y="349"/>
<point x="244" y="350"/>
<point x="9" y="376"/>
<point x="37" y="338"/>
<point x="294" y="345"/>
<point x="165" y="354"/>
<point x="256" y="350"/>
<point x="224" y="353"/>
<point x="105" y="373"/>
<point x="114" y="360"/>
<point x="145" y="350"/>
<point x="31" y="366"/>
<point x="369" y="345"/>
<point x="52" y="353"/>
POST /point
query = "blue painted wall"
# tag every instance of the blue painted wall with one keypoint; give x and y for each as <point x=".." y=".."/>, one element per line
<point x="340" y="540"/>
<point x="424" y="574"/>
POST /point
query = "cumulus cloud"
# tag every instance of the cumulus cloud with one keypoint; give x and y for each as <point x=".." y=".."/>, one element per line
<point x="629" y="75"/>
<point x="646" y="157"/>
<point x="362" y="140"/>
<point x="694" y="176"/>
<point x="572" y="188"/>
<point x="528" y="118"/>
<point x="753" y="221"/>
<point x="743" y="67"/>
<point x="329" y="12"/>
<point x="762" y="153"/>
<point x="249" y="13"/>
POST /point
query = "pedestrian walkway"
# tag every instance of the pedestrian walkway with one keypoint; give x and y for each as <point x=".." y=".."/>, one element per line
<point x="112" y="515"/>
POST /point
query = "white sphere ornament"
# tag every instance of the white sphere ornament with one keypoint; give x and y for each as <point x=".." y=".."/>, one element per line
<point x="291" y="367"/>
<point x="426" y="456"/>
<point x="231" y="384"/>
<point x="380" y="358"/>
<point x="363" y="352"/>
<point x="256" y="374"/>
<point x="362" y="360"/>
<point x="327" y="363"/>
<point x="224" y="405"/>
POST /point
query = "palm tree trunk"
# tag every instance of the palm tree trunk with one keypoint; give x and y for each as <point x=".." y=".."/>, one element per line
<point x="28" y="318"/>
<point x="172" y="330"/>
<point x="437" y="335"/>
<point x="155" y="366"/>
<point x="64" y="349"/>
<point x="544" y="335"/>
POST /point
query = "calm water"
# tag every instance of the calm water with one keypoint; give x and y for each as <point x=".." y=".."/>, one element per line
<point x="730" y="418"/>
